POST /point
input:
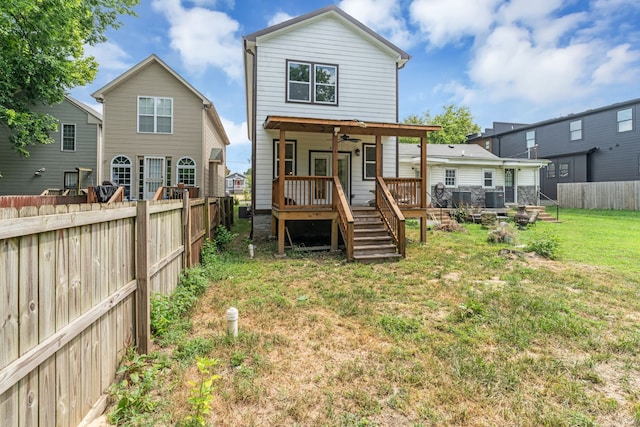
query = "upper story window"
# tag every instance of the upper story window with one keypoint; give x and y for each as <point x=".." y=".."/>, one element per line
<point x="369" y="162"/>
<point x="487" y="145"/>
<point x="531" y="138"/>
<point x="155" y="114"/>
<point x="625" y="120"/>
<point x="312" y="83"/>
<point x="68" y="137"/>
<point x="575" y="128"/>
<point x="450" y="179"/>
<point x="289" y="157"/>
<point x="186" y="171"/>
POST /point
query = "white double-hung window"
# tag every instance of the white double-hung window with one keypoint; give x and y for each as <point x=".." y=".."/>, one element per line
<point x="312" y="83"/>
<point x="155" y="114"/>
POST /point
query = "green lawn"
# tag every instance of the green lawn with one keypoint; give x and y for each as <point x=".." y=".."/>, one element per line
<point x="455" y="334"/>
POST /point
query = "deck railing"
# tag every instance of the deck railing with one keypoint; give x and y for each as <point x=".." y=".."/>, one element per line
<point x="406" y="191"/>
<point x="173" y="193"/>
<point x="391" y="214"/>
<point x="304" y="192"/>
<point x="345" y="217"/>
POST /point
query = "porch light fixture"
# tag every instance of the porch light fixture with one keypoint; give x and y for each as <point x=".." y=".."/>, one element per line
<point x="357" y="152"/>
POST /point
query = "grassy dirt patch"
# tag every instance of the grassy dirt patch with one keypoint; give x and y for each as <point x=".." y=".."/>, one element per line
<point x="455" y="334"/>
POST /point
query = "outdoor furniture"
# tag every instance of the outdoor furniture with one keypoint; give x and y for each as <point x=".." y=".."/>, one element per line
<point x="533" y="218"/>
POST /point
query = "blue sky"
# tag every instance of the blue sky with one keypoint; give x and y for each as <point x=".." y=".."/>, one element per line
<point x="513" y="61"/>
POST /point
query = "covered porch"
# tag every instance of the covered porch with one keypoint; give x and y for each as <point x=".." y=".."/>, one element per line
<point x="323" y="197"/>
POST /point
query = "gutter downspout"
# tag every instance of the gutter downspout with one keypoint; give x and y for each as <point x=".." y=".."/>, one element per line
<point x="254" y="102"/>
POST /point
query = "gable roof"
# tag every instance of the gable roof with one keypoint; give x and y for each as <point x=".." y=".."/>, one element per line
<point x="153" y="59"/>
<point x="85" y="108"/>
<point x="236" y="175"/>
<point x="463" y="154"/>
<point x="335" y="11"/>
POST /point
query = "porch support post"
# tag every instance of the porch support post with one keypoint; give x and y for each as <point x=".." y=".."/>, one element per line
<point x="281" y="177"/>
<point x="378" y="155"/>
<point x="280" y="237"/>
<point x="423" y="186"/>
<point x="334" y="156"/>
<point x="281" y="172"/>
<point x="334" y="235"/>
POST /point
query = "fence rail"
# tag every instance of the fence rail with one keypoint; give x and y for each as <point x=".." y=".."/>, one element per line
<point x="75" y="282"/>
<point x="618" y="195"/>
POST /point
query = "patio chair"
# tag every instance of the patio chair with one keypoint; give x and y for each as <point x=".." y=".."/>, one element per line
<point x="533" y="218"/>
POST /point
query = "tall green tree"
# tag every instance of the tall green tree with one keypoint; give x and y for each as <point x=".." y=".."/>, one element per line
<point x="42" y="57"/>
<point x="456" y="122"/>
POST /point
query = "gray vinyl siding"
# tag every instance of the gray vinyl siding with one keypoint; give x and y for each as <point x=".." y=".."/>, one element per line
<point x="18" y="176"/>
<point x="616" y="156"/>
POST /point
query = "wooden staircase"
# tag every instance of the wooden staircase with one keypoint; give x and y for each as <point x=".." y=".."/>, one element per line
<point x="372" y="241"/>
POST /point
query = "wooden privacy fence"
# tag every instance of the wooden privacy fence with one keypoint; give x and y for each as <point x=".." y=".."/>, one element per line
<point x="618" y="195"/>
<point x="75" y="283"/>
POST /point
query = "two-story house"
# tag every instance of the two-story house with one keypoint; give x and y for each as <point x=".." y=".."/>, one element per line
<point x="236" y="183"/>
<point x="602" y="144"/>
<point x="160" y="131"/>
<point x="69" y="163"/>
<point x="322" y="110"/>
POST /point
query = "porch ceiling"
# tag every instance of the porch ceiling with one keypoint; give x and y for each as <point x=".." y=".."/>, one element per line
<point x="357" y="127"/>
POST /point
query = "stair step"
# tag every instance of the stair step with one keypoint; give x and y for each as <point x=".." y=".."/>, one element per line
<point x="385" y="248"/>
<point x="377" y="257"/>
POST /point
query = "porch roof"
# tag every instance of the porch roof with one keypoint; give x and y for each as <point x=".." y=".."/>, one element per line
<point x="355" y="126"/>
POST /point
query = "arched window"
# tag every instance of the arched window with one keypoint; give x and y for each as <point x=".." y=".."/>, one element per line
<point x="121" y="173"/>
<point x="186" y="172"/>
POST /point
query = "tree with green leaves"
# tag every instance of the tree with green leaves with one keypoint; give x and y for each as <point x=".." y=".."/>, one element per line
<point x="42" y="57"/>
<point x="456" y="122"/>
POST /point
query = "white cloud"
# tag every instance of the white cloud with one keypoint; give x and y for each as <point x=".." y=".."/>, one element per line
<point x="382" y="16"/>
<point x="109" y="56"/>
<point x="278" y="18"/>
<point x="203" y="37"/>
<point x="509" y="65"/>
<point x="621" y="66"/>
<point x="534" y="52"/>
<point x="449" y="21"/>
<point x="236" y="132"/>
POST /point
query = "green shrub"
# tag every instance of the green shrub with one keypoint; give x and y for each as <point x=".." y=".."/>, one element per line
<point x="544" y="245"/>
<point x="223" y="237"/>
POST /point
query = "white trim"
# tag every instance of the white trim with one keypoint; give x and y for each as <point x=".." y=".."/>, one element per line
<point x="455" y="185"/>
<point x="192" y="167"/>
<point x="155" y="114"/>
<point x="75" y="137"/>
<point x="145" y="178"/>
<point x="493" y="178"/>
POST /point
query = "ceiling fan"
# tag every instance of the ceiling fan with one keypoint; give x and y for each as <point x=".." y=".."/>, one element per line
<point x="347" y="138"/>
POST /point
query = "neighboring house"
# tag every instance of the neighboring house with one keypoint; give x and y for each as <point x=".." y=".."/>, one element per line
<point x="468" y="174"/>
<point x="236" y="183"/>
<point x="323" y="120"/>
<point x="71" y="162"/>
<point x="602" y="144"/>
<point x="160" y="131"/>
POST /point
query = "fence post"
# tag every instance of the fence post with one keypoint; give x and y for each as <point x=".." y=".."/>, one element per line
<point x="186" y="222"/>
<point x="207" y="219"/>
<point x="143" y="301"/>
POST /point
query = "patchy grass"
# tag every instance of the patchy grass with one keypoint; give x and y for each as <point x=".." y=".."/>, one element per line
<point x="454" y="334"/>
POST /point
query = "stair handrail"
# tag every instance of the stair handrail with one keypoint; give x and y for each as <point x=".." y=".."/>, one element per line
<point x="554" y="202"/>
<point x="391" y="214"/>
<point x="345" y="217"/>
